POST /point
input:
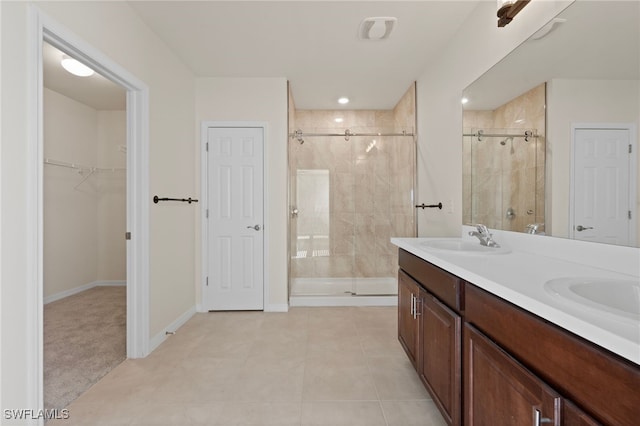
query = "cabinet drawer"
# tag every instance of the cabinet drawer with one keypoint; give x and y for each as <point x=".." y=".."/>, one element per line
<point x="602" y="384"/>
<point x="446" y="287"/>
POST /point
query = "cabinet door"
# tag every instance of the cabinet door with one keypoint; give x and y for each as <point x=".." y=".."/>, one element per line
<point x="573" y="416"/>
<point x="408" y="292"/>
<point x="499" y="391"/>
<point x="439" y="360"/>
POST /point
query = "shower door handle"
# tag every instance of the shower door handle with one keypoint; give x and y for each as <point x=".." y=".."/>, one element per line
<point x="256" y="227"/>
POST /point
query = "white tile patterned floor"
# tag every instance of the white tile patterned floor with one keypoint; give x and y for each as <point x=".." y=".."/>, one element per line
<point x="310" y="366"/>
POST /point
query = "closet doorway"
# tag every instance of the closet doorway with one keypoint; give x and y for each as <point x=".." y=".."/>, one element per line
<point x="84" y="216"/>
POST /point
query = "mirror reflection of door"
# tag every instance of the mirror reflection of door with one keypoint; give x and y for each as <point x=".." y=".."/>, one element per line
<point x="602" y="186"/>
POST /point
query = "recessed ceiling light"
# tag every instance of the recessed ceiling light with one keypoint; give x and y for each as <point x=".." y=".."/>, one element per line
<point x="75" y="67"/>
<point x="464" y="101"/>
<point x="343" y="101"/>
<point x="338" y="119"/>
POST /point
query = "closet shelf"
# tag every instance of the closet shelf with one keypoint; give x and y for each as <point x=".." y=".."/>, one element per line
<point x="82" y="169"/>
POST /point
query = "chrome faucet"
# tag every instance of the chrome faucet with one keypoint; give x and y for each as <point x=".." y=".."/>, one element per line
<point x="534" y="228"/>
<point x="484" y="236"/>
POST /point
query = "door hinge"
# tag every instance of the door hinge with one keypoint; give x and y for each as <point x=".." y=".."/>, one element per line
<point x="206" y="213"/>
<point x="206" y="146"/>
<point x="629" y="214"/>
<point x="127" y="235"/>
<point x="207" y="281"/>
<point x="630" y="149"/>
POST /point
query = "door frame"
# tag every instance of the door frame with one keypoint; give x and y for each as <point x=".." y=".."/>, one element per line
<point x="633" y="172"/>
<point x="44" y="28"/>
<point x="204" y="196"/>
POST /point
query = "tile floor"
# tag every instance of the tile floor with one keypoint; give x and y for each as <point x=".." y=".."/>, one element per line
<point x="310" y="366"/>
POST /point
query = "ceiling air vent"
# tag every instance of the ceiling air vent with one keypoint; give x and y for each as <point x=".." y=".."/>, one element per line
<point x="376" y="28"/>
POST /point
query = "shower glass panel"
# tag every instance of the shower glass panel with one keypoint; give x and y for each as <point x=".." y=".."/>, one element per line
<point x="348" y="199"/>
<point x="501" y="178"/>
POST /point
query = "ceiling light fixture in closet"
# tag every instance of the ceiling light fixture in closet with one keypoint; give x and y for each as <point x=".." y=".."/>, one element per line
<point x="75" y="67"/>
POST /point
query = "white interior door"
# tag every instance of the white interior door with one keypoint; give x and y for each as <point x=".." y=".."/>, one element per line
<point x="601" y="185"/>
<point x="235" y="219"/>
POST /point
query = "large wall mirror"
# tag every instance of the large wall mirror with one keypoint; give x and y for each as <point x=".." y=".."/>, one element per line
<point x="550" y="133"/>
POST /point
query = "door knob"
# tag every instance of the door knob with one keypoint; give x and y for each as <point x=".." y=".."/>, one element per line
<point x="581" y="228"/>
<point x="256" y="227"/>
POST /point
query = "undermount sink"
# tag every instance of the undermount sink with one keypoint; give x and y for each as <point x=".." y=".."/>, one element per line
<point x="617" y="296"/>
<point x="459" y="246"/>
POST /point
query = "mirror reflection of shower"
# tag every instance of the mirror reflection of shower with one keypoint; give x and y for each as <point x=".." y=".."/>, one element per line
<point x="500" y="184"/>
<point x="504" y="142"/>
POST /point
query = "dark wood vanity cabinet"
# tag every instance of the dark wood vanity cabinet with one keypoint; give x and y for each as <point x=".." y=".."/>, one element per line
<point x="429" y="330"/>
<point x="517" y="368"/>
<point x="408" y="325"/>
<point x="597" y="387"/>
<point x="439" y="356"/>
<point x="499" y="391"/>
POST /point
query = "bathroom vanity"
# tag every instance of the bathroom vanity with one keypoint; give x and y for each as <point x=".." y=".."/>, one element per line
<point x="491" y="347"/>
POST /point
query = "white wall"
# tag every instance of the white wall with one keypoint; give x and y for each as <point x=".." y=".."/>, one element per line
<point x="114" y="29"/>
<point x="580" y="101"/>
<point x="477" y="46"/>
<point x="70" y="214"/>
<point x="112" y="202"/>
<point x="84" y="216"/>
<point x="258" y="100"/>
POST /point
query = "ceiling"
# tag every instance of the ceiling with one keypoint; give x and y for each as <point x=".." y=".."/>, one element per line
<point x="94" y="91"/>
<point x="313" y="44"/>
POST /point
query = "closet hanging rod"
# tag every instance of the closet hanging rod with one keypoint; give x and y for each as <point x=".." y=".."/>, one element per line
<point x="65" y="164"/>
<point x="77" y="166"/>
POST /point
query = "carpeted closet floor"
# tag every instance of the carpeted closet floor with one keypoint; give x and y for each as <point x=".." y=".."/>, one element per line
<point x="84" y="339"/>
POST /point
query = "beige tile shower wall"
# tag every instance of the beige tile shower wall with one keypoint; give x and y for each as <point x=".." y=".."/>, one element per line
<point x="291" y="145"/>
<point x="370" y="193"/>
<point x="510" y="175"/>
<point x="402" y="173"/>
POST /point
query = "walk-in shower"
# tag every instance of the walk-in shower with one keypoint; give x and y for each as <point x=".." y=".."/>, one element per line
<point x="351" y="191"/>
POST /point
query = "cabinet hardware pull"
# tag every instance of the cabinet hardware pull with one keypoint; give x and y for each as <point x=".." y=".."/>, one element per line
<point x="413" y="306"/>
<point x="416" y="307"/>
<point x="538" y="419"/>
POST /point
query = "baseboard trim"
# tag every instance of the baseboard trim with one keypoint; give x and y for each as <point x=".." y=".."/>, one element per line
<point x="277" y="308"/>
<point x="171" y="328"/>
<point x="343" y="300"/>
<point x="80" y="289"/>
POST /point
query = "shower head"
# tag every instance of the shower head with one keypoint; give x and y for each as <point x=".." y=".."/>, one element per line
<point x="504" y="141"/>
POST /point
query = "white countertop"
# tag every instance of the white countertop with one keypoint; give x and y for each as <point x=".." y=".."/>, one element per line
<point x="519" y="278"/>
